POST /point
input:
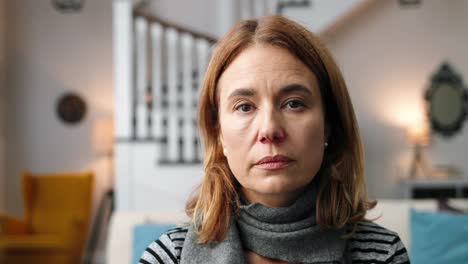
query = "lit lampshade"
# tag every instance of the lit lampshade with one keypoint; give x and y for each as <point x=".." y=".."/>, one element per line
<point x="103" y="136"/>
<point x="419" y="134"/>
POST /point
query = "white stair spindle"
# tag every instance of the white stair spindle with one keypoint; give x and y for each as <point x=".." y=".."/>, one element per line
<point x="203" y="50"/>
<point x="172" y="81"/>
<point x="203" y="56"/>
<point x="271" y="7"/>
<point x="188" y="97"/>
<point x="246" y="9"/>
<point x="259" y="8"/>
<point x="157" y="81"/>
<point x="142" y="77"/>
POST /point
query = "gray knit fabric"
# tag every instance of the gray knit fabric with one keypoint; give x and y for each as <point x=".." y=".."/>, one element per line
<point x="289" y="234"/>
<point x="228" y="251"/>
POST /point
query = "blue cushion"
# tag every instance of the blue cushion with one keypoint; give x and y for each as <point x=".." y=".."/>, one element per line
<point x="438" y="237"/>
<point x="144" y="234"/>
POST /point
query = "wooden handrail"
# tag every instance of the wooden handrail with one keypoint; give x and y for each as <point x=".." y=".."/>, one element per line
<point x="150" y="17"/>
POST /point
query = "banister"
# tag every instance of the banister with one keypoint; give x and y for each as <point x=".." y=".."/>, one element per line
<point x="152" y="18"/>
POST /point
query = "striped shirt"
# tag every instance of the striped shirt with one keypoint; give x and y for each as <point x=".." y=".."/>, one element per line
<point x="370" y="243"/>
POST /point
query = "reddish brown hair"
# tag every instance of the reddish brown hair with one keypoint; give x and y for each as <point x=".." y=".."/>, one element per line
<point x="342" y="198"/>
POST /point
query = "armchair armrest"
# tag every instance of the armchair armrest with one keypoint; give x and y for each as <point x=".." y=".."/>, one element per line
<point x="12" y="226"/>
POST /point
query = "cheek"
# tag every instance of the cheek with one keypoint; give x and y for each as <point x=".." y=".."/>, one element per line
<point x="307" y="128"/>
<point x="235" y="132"/>
<point x="309" y="139"/>
<point x="314" y="134"/>
<point x="237" y="141"/>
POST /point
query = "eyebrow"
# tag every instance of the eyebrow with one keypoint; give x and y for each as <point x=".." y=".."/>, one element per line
<point x="295" y="88"/>
<point x="242" y="92"/>
<point x="284" y="90"/>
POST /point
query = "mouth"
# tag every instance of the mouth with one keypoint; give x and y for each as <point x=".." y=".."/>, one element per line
<point x="276" y="162"/>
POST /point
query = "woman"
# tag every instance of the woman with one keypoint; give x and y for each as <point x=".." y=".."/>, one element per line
<point x="283" y="159"/>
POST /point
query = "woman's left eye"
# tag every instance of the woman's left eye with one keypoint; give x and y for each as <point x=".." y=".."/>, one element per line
<point x="294" y="104"/>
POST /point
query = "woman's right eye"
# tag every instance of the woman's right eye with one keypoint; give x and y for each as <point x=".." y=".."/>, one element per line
<point x="245" y="108"/>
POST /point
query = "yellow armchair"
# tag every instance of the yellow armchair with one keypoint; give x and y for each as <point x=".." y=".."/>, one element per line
<point x="57" y="212"/>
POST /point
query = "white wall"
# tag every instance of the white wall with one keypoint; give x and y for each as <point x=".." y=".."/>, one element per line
<point x="387" y="55"/>
<point x="320" y="14"/>
<point x="2" y="104"/>
<point x="49" y="53"/>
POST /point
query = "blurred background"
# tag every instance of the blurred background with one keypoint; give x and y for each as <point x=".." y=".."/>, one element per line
<point x="109" y="88"/>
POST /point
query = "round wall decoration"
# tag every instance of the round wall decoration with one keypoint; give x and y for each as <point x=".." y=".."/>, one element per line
<point x="71" y="108"/>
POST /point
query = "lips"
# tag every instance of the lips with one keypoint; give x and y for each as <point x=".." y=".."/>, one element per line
<point x="271" y="159"/>
<point x="274" y="162"/>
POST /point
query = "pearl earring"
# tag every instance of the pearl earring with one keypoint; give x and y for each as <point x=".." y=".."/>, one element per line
<point x="224" y="151"/>
<point x="326" y="144"/>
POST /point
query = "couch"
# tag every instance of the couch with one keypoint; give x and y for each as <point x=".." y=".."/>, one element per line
<point x="392" y="214"/>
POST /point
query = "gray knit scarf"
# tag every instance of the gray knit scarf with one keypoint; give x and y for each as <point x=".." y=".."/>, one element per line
<point x="289" y="234"/>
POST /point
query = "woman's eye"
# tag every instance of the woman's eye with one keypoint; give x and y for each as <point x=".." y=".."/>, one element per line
<point x="294" y="104"/>
<point x="244" y="108"/>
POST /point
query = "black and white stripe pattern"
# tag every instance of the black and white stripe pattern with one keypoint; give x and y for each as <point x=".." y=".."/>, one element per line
<point x="166" y="249"/>
<point x="370" y="243"/>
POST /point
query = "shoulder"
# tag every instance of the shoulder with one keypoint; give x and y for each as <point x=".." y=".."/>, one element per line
<point x="372" y="243"/>
<point x="166" y="249"/>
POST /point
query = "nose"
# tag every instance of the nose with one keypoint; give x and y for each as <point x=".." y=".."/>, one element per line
<point x="271" y="128"/>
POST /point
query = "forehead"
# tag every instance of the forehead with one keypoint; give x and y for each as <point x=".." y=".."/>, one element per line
<point x="272" y="66"/>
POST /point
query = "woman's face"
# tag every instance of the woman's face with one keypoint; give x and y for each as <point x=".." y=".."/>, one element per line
<point x="271" y="124"/>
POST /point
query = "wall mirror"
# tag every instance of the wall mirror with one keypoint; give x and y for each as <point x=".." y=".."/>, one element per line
<point x="447" y="101"/>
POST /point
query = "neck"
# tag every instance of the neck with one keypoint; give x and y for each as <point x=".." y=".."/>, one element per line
<point x="275" y="200"/>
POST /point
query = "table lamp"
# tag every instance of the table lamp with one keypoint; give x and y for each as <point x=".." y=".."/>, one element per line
<point x="419" y="137"/>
